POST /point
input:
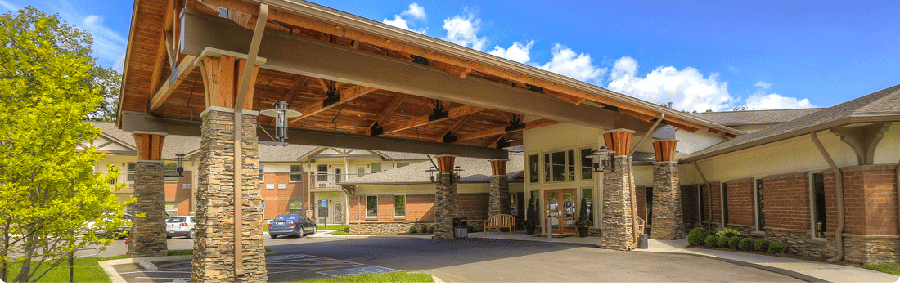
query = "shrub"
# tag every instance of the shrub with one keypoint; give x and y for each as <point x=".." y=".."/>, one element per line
<point x="777" y="247"/>
<point x="760" y="245"/>
<point x="697" y="236"/>
<point x="423" y="229"/>
<point x="711" y="241"/>
<point x="412" y="229"/>
<point x="722" y="241"/>
<point x="431" y="229"/>
<point x="746" y="244"/>
<point x="728" y="233"/>
<point x="734" y="241"/>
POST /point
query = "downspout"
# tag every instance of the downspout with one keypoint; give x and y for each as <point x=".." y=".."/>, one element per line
<point x="839" y="186"/>
<point x="239" y="99"/>
<point x="708" y="195"/>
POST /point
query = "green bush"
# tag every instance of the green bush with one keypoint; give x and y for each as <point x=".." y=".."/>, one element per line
<point x="746" y="244"/>
<point x="777" y="247"/>
<point x="711" y="241"/>
<point x="760" y="245"/>
<point x="734" y="241"/>
<point x="412" y="229"/>
<point x="423" y="229"/>
<point x="728" y="233"/>
<point x="722" y="241"/>
<point x="697" y="236"/>
<point x="431" y="229"/>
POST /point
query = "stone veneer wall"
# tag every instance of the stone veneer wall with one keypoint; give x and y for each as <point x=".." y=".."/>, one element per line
<point x="499" y="196"/>
<point x="148" y="237"/>
<point x="616" y="225"/>
<point x="385" y="228"/>
<point x="445" y="207"/>
<point x="214" y="249"/>
<point x="668" y="222"/>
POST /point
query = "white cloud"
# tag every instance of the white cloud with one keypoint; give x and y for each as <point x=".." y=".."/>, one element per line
<point x="763" y="85"/>
<point x="8" y="6"/>
<point x="108" y="45"/>
<point x="688" y="89"/>
<point x="415" y="11"/>
<point x="578" y="66"/>
<point x="733" y="69"/>
<point x="463" y="31"/>
<point x="776" y="101"/>
<point x="517" y="52"/>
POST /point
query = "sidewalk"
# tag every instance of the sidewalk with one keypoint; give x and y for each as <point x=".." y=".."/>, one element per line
<point x="814" y="269"/>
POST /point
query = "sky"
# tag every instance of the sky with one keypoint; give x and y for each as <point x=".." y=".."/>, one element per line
<point x="699" y="55"/>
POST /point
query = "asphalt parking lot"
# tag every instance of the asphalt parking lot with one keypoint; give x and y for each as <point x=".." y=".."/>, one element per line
<point x="477" y="260"/>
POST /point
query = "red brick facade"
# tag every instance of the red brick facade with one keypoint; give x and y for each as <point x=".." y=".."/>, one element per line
<point x="175" y="193"/>
<point x="870" y="200"/>
<point x="419" y="208"/>
<point x="787" y="201"/>
<point x="740" y="203"/>
<point x="276" y="200"/>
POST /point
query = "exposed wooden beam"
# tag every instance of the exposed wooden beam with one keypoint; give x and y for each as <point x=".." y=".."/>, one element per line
<point x="388" y="111"/>
<point x="346" y="95"/>
<point x="459" y="123"/>
<point x="502" y="130"/>
<point x="181" y="72"/>
<point x="424" y="119"/>
<point x="157" y="70"/>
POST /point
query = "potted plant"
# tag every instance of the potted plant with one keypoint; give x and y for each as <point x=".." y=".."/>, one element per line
<point x="531" y="221"/>
<point x="584" y="220"/>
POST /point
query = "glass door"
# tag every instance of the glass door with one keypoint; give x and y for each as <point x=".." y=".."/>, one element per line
<point x="562" y="208"/>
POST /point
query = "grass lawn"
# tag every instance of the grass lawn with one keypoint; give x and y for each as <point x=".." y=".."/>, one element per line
<point x="181" y="252"/>
<point x="889" y="268"/>
<point x="334" y="227"/>
<point x="86" y="271"/>
<point x="393" y="277"/>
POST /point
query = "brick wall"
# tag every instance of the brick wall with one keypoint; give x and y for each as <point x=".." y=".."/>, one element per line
<point x="473" y="206"/>
<point x="175" y="193"/>
<point x="640" y="193"/>
<point x="689" y="205"/>
<point x="419" y="207"/>
<point x="870" y="200"/>
<point x="787" y="201"/>
<point x="277" y="201"/>
<point x="740" y="202"/>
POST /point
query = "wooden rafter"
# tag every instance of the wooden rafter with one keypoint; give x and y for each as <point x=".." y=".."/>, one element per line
<point x="388" y="111"/>
<point x="502" y="130"/>
<point x="346" y="95"/>
<point x="182" y="71"/>
<point x="459" y="123"/>
<point x="424" y="119"/>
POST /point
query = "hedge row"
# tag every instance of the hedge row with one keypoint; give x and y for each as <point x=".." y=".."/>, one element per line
<point x="729" y="238"/>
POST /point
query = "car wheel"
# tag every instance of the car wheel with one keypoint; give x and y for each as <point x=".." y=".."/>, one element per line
<point x="315" y="229"/>
<point x="273" y="236"/>
<point x="190" y="234"/>
<point x="302" y="232"/>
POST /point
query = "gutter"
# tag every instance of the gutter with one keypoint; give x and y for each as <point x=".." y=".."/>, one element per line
<point x="839" y="186"/>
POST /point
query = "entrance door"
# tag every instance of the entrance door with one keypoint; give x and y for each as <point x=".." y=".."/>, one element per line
<point x="562" y="207"/>
<point x="337" y="213"/>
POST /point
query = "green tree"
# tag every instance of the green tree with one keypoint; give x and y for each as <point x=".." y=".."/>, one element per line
<point x="109" y="83"/>
<point x="48" y="185"/>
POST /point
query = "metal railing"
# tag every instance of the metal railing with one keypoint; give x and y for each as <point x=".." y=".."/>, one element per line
<point x="326" y="180"/>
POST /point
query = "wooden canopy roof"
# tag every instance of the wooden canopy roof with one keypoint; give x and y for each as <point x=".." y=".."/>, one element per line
<point x="157" y="47"/>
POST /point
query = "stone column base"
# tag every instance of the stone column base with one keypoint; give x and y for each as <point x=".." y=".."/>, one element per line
<point x="667" y="218"/>
<point x="148" y="234"/>
<point x="499" y="196"/>
<point x="445" y="208"/>
<point x="616" y="226"/>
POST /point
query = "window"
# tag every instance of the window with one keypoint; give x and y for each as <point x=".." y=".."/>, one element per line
<point x="570" y="165"/>
<point x="399" y="205"/>
<point x="296" y="173"/>
<point x="760" y="214"/>
<point x="587" y="164"/>
<point x="588" y="195"/>
<point x="376" y="167"/>
<point x="558" y="166"/>
<point x="818" y="211"/>
<point x="547" y="173"/>
<point x="535" y="198"/>
<point x="371" y="206"/>
<point x="724" y="204"/>
<point x="112" y="182"/>
<point x="295" y="206"/>
<point x="172" y="208"/>
<point x="130" y="177"/>
<point x="322" y="171"/>
<point x="360" y="171"/>
<point x="170" y="172"/>
<point x="513" y="206"/>
<point x="533" y="166"/>
<point x="261" y="177"/>
<point x="401" y="165"/>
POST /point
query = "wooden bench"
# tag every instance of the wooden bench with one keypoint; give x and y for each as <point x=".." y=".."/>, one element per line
<point x="500" y="221"/>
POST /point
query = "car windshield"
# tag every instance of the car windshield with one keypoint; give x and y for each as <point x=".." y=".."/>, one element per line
<point x="176" y="219"/>
<point x="288" y="217"/>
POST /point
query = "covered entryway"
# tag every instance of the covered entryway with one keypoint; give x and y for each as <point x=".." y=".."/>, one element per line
<point x="207" y="68"/>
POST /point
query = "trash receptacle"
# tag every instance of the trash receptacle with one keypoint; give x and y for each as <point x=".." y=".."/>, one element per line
<point x="643" y="242"/>
<point x="460" y="227"/>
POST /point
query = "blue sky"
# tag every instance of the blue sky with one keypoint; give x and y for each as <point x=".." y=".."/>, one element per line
<point x="700" y="55"/>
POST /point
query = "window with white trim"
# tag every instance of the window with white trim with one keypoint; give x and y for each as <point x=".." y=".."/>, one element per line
<point x="400" y="205"/>
<point x="371" y="206"/>
<point x="296" y="174"/>
<point x="261" y="176"/>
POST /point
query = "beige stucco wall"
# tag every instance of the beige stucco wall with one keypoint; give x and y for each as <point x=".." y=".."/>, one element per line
<point x="465" y="188"/>
<point x="888" y="151"/>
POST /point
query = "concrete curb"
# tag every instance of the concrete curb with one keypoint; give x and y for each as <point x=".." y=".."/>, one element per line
<point x="145" y="262"/>
<point x="436" y="280"/>
<point x="791" y="273"/>
<point x="114" y="276"/>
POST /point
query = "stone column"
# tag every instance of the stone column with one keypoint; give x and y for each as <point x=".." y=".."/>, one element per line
<point x="617" y="223"/>
<point x="499" y="195"/>
<point x="445" y="205"/>
<point x="667" y="213"/>
<point x="148" y="233"/>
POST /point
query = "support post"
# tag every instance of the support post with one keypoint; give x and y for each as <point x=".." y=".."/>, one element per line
<point x="617" y="224"/>
<point x="499" y="195"/>
<point x="667" y="213"/>
<point x="445" y="203"/>
<point x="148" y="235"/>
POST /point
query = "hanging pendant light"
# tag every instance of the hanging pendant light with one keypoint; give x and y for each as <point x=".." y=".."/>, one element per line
<point x="281" y="113"/>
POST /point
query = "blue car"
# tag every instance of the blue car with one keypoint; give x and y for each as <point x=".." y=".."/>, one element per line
<point x="291" y="224"/>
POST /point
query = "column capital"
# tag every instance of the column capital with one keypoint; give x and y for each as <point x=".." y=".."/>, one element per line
<point x="149" y="146"/>
<point x="665" y="150"/>
<point x="445" y="162"/>
<point x="618" y="140"/>
<point x="498" y="167"/>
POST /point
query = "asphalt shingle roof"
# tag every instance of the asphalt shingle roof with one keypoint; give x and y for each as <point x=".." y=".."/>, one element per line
<point x="884" y="102"/>
<point x="475" y="170"/>
<point x="172" y="145"/>
<point x="751" y="117"/>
